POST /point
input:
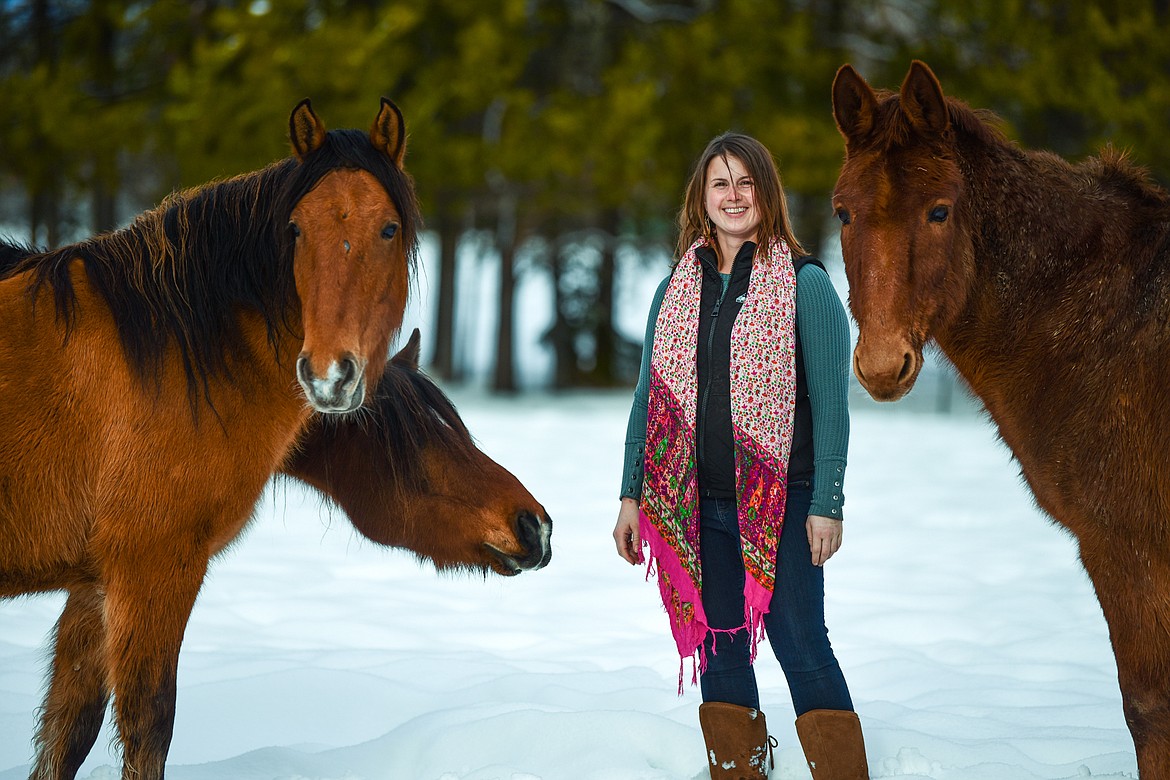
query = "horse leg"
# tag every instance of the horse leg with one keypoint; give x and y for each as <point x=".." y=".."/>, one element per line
<point x="1133" y="587"/>
<point x="149" y="596"/>
<point x="76" y="701"/>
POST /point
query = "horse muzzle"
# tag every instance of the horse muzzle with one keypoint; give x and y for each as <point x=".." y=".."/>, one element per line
<point x="535" y="536"/>
<point x="342" y="389"/>
<point x="887" y="371"/>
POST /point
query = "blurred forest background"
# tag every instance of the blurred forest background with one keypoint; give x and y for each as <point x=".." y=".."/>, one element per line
<point x="555" y="135"/>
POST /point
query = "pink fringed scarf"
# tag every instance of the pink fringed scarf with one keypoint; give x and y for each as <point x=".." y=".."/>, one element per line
<point x="763" y="398"/>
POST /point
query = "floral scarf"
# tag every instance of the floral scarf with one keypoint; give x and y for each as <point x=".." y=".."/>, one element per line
<point x="763" y="398"/>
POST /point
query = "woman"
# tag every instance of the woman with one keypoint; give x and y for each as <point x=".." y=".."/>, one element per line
<point x="735" y="459"/>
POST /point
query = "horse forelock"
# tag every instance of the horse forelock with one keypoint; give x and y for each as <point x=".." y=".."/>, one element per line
<point x="353" y="149"/>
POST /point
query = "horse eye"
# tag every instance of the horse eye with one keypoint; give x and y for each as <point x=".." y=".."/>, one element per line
<point x="389" y="231"/>
<point x="843" y="215"/>
<point x="939" y="214"/>
<point x="296" y="231"/>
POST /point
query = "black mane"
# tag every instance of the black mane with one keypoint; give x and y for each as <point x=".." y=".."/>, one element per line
<point x="411" y="413"/>
<point x="181" y="273"/>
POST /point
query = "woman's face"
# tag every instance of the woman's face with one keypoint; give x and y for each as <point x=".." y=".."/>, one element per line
<point x="730" y="199"/>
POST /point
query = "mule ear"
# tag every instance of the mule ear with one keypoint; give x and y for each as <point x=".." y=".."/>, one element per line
<point x="408" y="355"/>
<point x="854" y="103"/>
<point x="305" y="130"/>
<point x="388" y="135"/>
<point x="923" y="102"/>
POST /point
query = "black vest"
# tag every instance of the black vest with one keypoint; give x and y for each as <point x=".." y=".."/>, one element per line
<point x="717" y="312"/>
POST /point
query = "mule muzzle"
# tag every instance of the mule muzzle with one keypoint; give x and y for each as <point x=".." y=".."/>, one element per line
<point x="535" y="536"/>
<point x="887" y="372"/>
<point x="341" y="389"/>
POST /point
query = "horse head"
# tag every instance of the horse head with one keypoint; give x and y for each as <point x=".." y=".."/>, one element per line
<point x="408" y="475"/>
<point x="350" y="260"/>
<point x="899" y="197"/>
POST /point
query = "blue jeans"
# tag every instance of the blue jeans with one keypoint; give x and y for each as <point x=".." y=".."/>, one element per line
<point x="795" y="623"/>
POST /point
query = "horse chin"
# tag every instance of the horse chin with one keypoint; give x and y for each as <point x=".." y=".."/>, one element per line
<point x="336" y="404"/>
<point x="888" y="393"/>
<point x="501" y="562"/>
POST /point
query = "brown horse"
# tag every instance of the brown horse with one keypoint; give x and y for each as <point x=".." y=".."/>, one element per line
<point x="1048" y="286"/>
<point x="153" y="379"/>
<point x="406" y="472"/>
<point x="408" y="475"/>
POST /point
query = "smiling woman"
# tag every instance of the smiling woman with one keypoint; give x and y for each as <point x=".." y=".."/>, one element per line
<point x="739" y="429"/>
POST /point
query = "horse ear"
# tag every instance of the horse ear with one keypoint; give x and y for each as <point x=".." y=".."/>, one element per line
<point x="305" y="130"/>
<point x="853" y="104"/>
<point x="389" y="132"/>
<point x="923" y="102"/>
<point x="408" y="355"/>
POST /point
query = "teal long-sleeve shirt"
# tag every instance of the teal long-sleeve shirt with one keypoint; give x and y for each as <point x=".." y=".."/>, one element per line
<point x="824" y="341"/>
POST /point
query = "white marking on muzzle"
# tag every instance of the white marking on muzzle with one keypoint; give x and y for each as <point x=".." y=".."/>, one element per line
<point x="341" y="389"/>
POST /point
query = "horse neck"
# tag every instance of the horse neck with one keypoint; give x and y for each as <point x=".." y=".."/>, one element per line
<point x="1068" y="278"/>
<point x="1045" y="239"/>
<point x="226" y="267"/>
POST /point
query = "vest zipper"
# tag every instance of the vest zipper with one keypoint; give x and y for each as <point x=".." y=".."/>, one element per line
<point x="702" y="427"/>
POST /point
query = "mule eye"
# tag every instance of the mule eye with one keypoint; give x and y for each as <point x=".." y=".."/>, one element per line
<point x="843" y="215"/>
<point x="296" y="231"/>
<point x="938" y="214"/>
<point x="389" y="231"/>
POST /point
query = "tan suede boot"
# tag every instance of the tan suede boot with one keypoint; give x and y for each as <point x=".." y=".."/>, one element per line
<point x="738" y="745"/>
<point x="833" y="744"/>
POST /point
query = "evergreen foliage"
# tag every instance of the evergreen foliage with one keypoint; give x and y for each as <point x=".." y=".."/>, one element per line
<point x="558" y="131"/>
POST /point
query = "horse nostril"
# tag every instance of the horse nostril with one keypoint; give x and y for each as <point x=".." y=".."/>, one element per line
<point x="349" y="370"/>
<point x="907" y="367"/>
<point x="535" y="537"/>
<point x="857" y="369"/>
<point x="528" y="529"/>
<point x="304" y="370"/>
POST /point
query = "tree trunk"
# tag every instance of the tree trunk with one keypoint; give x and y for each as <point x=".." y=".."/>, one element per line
<point x="104" y="204"/>
<point x="809" y="214"/>
<point x="443" y="361"/>
<point x="605" y="334"/>
<point x="559" y="336"/>
<point x="507" y="239"/>
<point x="104" y="186"/>
<point x="45" y="213"/>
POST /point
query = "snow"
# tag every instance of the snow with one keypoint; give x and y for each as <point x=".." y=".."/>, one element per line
<point x="970" y="635"/>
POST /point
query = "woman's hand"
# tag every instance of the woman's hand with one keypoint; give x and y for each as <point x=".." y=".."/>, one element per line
<point x="626" y="534"/>
<point x="824" y="537"/>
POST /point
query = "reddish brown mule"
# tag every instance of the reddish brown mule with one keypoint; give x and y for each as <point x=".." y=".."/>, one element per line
<point x="149" y="380"/>
<point x="1048" y="286"/>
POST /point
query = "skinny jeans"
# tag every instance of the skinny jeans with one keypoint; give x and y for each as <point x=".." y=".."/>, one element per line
<point x="795" y="623"/>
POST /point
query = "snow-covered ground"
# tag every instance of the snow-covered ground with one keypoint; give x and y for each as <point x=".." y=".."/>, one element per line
<point x="969" y="634"/>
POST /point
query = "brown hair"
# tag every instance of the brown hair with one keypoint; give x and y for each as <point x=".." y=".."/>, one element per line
<point x="769" y="193"/>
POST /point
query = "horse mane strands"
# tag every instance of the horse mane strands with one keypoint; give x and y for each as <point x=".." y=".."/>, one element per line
<point x="165" y="275"/>
<point x="892" y="128"/>
<point x="413" y="414"/>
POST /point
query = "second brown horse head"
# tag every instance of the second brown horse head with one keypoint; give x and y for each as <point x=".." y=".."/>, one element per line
<point x="408" y="474"/>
